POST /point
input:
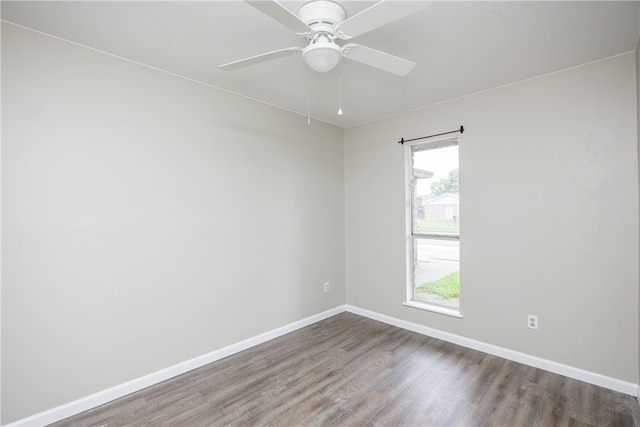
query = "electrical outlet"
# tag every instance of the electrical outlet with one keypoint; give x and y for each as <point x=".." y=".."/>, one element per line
<point x="532" y="321"/>
<point x="326" y="286"/>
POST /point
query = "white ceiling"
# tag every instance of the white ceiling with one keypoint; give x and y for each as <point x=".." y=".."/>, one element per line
<point x="460" y="47"/>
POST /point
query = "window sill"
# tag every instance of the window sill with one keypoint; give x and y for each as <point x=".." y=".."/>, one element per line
<point x="448" y="311"/>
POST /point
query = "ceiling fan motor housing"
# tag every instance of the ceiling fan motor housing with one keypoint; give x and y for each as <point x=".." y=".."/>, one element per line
<point x="322" y="15"/>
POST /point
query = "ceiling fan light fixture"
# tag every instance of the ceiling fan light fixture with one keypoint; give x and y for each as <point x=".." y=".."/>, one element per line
<point x="322" y="56"/>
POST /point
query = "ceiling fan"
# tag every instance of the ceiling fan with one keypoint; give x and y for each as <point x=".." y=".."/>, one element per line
<point x="323" y="22"/>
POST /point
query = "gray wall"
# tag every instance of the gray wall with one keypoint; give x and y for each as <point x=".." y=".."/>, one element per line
<point x="149" y="219"/>
<point x="549" y="216"/>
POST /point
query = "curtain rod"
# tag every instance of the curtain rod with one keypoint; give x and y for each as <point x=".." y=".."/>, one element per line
<point x="402" y="141"/>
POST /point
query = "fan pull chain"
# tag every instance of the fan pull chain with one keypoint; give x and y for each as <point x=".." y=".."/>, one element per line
<point x="340" y="89"/>
<point x="308" y="97"/>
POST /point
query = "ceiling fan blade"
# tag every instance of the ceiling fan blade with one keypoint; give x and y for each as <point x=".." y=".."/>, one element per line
<point x="281" y="14"/>
<point x="381" y="13"/>
<point x="260" y="58"/>
<point x="378" y="59"/>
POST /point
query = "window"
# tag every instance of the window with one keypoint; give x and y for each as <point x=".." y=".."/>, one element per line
<point x="433" y="223"/>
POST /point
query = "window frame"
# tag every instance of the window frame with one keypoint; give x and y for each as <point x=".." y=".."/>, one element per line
<point x="411" y="235"/>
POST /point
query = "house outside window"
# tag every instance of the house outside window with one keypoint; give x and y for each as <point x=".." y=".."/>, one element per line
<point x="433" y="224"/>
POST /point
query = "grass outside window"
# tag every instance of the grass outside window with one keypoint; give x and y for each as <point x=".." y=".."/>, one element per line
<point x="447" y="287"/>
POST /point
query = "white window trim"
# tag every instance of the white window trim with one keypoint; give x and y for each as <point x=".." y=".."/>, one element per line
<point x="441" y="309"/>
<point x="409" y="302"/>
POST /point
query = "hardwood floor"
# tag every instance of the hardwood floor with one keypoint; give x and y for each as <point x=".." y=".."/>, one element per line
<point x="350" y="370"/>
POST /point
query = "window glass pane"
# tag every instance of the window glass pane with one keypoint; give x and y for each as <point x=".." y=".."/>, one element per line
<point x="436" y="200"/>
<point x="435" y="224"/>
<point x="436" y="269"/>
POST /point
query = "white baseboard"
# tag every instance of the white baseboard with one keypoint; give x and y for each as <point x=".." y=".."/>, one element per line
<point x="102" y="397"/>
<point x="121" y="390"/>
<point x="536" y="362"/>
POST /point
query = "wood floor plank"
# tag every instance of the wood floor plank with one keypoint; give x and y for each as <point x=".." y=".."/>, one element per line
<point x="350" y="370"/>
